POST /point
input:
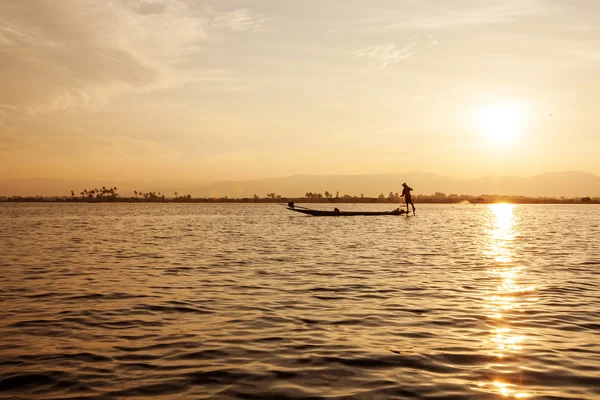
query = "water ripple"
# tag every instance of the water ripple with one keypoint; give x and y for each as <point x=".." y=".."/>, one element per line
<point x="191" y="301"/>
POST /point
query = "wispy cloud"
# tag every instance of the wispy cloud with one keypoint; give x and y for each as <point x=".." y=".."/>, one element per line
<point x="331" y="106"/>
<point x="383" y="54"/>
<point x="431" y="15"/>
<point x="580" y="28"/>
<point x="99" y="148"/>
<point x="431" y="41"/>
<point x="241" y="20"/>
<point x="5" y="109"/>
<point x="104" y="48"/>
<point x="99" y="49"/>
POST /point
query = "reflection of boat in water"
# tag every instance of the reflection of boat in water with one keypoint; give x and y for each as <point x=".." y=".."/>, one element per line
<point x="322" y="213"/>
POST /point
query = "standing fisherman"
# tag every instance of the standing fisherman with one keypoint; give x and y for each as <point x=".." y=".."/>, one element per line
<point x="407" y="197"/>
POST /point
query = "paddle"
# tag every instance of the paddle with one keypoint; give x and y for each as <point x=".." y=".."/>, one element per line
<point x="295" y="206"/>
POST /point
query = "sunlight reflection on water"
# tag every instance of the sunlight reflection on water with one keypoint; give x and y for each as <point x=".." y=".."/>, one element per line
<point x="507" y="297"/>
<point x="241" y="301"/>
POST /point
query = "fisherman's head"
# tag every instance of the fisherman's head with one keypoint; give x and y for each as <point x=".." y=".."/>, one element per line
<point x="404" y="184"/>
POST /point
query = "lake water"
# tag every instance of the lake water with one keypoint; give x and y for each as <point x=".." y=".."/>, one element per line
<point x="241" y="301"/>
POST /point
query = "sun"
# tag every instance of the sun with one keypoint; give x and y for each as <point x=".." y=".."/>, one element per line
<point x="500" y="123"/>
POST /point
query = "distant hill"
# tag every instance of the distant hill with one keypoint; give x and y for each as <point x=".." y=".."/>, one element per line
<point x="554" y="184"/>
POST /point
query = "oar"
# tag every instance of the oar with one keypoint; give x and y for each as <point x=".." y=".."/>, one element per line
<point x="295" y="206"/>
<point x="306" y="208"/>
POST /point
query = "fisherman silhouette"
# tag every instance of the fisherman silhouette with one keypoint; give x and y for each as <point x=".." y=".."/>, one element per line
<point x="407" y="197"/>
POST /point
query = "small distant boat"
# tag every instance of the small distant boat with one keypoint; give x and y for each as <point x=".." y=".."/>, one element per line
<point x="338" y="213"/>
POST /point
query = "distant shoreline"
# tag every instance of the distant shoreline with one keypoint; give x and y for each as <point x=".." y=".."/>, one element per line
<point x="484" y="199"/>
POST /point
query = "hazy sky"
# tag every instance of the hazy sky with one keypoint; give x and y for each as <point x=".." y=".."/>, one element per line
<point x="186" y="89"/>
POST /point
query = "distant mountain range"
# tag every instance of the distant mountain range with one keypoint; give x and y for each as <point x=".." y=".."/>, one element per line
<point x="553" y="184"/>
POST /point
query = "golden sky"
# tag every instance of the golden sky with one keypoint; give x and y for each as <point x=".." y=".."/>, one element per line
<point x="185" y="89"/>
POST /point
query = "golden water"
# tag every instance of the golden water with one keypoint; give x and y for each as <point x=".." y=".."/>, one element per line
<point x="188" y="301"/>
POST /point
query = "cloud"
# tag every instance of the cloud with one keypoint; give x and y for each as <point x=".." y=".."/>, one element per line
<point x="331" y="106"/>
<point x="580" y="28"/>
<point x="82" y="53"/>
<point x="241" y="20"/>
<point x="93" y="148"/>
<point x="433" y="15"/>
<point x="432" y="41"/>
<point x="383" y="54"/>
<point x="124" y="147"/>
<point x="5" y="109"/>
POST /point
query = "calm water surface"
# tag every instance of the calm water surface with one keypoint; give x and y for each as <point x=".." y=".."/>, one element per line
<point x="191" y="301"/>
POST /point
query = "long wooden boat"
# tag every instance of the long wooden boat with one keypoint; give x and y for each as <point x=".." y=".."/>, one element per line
<point x="322" y="213"/>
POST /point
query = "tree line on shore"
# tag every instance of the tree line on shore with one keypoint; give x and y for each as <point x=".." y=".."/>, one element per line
<point x="111" y="194"/>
